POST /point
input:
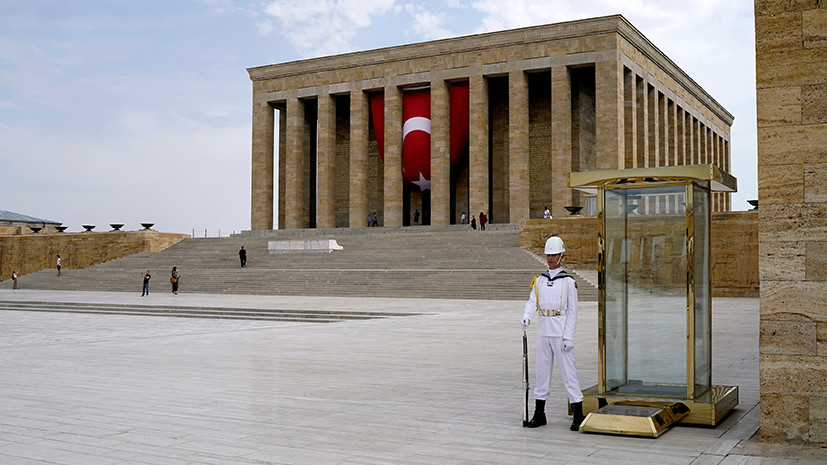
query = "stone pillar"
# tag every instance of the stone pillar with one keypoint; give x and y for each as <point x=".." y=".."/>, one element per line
<point x="518" y="202"/>
<point x="440" y="154"/>
<point x="393" y="157"/>
<point x="652" y="156"/>
<point x="672" y="125"/>
<point x="358" y="188"/>
<point x="696" y="154"/>
<point x="561" y="154"/>
<point x="609" y="113"/>
<point x="642" y="123"/>
<point x="478" y="146"/>
<point x="326" y="150"/>
<point x="261" y="198"/>
<point x="681" y="137"/>
<point x="296" y="159"/>
<point x="630" y="119"/>
<point x="663" y="136"/>
<point x="282" y="196"/>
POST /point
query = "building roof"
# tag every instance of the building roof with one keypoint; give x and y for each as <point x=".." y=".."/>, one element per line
<point x="6" y="215"/>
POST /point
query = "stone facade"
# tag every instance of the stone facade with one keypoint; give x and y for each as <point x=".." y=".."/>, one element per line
<point x="791" y="80"/>
<point x="543" y="101"/>
<point x="30" y="253"/>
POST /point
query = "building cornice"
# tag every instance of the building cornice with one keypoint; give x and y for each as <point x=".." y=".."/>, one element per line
<point x="615" y="24"/>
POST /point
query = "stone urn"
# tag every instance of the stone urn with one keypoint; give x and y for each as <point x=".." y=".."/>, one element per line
<point x="573" y="211"/>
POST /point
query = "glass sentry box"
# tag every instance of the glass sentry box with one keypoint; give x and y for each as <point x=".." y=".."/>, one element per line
<point x="655" y="306"/>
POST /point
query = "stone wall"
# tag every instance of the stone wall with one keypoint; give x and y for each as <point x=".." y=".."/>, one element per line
<point x="791" y="81"/>
<point x="733" y="237"/>
<point x="30" y="253"/>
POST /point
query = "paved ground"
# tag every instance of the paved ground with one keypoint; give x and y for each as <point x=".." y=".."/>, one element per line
<point x="443" y="387"/>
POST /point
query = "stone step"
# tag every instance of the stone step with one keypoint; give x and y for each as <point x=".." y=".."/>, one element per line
<point x="412" y="262"/>
<point x="313" y="316"/>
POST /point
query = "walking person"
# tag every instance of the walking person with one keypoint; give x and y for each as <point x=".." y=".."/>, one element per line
<point x="462" y="218"/>
<point x="145" y="289"/>
<point x="553" y="298"/>
<point x="416" y="217"/>
<point x="176" y="276"/>
<point x="473" y="222"/>
<point x="483" y="220"/>
<point x="14" y="279"/>
<point x="242" y="256"/>
<point x="375" y="220"/>
<point x="58" y="264"/>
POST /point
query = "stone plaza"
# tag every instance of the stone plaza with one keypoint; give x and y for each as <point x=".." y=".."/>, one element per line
<point x="442" y="386"/>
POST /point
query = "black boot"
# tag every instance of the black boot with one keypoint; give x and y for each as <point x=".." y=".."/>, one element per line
<point x="539" y="414"/>
<point x="577" y="411"/>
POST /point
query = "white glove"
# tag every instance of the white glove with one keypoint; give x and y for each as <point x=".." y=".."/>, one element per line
<point x="524" y="323"/>
<point x="568" y="345"/>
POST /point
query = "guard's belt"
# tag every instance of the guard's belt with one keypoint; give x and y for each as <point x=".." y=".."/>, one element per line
<point x="552" y="312"/>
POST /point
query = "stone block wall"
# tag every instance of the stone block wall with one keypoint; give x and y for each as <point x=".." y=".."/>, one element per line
<point x="733" y="238"/>
<point x="791" y="90"/>
<point x="30" y="253"/>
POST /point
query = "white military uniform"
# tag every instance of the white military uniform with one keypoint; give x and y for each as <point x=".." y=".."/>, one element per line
<point x="557" y="319"/>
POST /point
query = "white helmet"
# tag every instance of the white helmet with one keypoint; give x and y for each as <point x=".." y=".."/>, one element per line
<point x="554" y="245"/>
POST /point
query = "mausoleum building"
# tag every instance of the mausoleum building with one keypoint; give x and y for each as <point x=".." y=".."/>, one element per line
<point x="488" y="123"/>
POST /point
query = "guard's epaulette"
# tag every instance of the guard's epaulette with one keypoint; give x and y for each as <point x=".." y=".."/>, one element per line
<point x="560" y="275"/>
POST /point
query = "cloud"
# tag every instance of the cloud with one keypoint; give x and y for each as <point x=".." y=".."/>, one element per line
<point x="428" y="25"/>
<point x="324" y="27"/>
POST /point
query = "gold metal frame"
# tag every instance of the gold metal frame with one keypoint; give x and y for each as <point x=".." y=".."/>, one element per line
<point x="709" y="405"/>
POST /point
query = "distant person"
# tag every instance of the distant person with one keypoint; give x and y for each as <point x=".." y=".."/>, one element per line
<point x="483" y="220"/>
<point x="14" y="279"/>
<point x="147" y="277"/>
<point x="58" y="264"/>
<point x="375" y="220"/>
<point x="416" y="216"/>
<point x="176" y="276"/>
<point x="473" y="222"/>
<point x="462" y="218"/>
<point x="242" y="256"/>
<point x="546" y="214"/>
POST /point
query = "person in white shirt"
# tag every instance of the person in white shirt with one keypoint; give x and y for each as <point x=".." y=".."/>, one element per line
<point x="554" y="299"/>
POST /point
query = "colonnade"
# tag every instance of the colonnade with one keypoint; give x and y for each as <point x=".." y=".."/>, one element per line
<point x="601" y="109"/>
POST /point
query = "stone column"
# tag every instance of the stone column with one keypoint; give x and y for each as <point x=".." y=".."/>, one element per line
<point x="642" y="123"/>
<point x="282" y="196"/>
<point x="630" y="119"/>
<point x="561" y="154"/>
<point x="478" y="145"/>
<point x="326" y="153"/>
<point x="681" y="137"/>
<point x="518" y="204"/>
<point x="609" y="113"/>
<point x="672" y="123"/>
<point x="393" y="156"/>
<point x="358" y="209"/>
<point x="261" y="199"/>
<point x="652" y="156"/>
<point x="696" y="158"/>
<point x="296" y="159"/>
<point x="440" y="154"/>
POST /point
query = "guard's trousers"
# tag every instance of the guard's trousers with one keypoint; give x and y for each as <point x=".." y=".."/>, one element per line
<point x="547" y="349"/>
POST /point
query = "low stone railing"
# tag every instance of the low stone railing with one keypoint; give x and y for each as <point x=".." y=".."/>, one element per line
<point x="308" y="245"/>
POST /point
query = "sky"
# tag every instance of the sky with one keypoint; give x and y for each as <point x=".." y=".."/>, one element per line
<point x="118" y="111"/>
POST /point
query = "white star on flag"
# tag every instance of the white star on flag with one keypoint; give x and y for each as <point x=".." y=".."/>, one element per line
<point x="423" y="183"/>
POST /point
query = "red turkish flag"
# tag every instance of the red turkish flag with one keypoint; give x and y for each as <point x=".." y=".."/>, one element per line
<point x="416" y="130"/>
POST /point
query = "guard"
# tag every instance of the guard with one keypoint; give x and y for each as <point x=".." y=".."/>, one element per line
<point x="553" y="298"/>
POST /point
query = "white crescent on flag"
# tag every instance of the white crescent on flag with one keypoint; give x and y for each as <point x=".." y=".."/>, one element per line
<point x="416" y="123"/>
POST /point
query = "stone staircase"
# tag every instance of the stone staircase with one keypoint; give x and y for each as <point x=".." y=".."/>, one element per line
<point x="450" y="262"/>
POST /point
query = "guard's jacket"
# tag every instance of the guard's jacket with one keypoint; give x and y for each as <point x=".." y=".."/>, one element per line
<point x="553" y="300"/>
